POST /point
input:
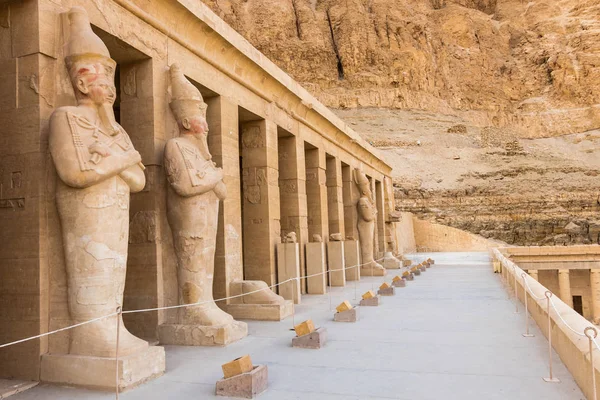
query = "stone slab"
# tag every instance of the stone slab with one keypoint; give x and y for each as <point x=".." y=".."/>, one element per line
<point x="372" y="271"/>
<point x="352" y="259"/>
<point x="99" y="372"/>
<point x="336" y="264"/>
<point x="390" y="291"/>
<point x="399" y="283"/>
<point x="372" y="302"/>
<point x="261" y="312"/>
<point x="199" y="335"/>
<point x="346" y="316"/>
<point x="288" y="267"/>
<point x="9" y="387"/>
<point x="316" y="264"/>
<point x="246" y="386"/>
<point x="314" y="340"/>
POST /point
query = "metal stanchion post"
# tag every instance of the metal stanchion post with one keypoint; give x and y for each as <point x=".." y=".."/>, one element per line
<point x="516" y="295"/>
<point x="548" y="295"/>
<point x="526" y="334"/>
<point x="119" y="313"/>
<point x="591" y="334"/>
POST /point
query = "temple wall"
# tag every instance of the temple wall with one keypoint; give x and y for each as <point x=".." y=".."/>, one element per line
<point x="246" y="94"/>
<point x="434" y="237"/>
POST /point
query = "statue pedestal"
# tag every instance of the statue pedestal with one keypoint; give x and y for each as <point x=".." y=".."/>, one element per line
<point x="375" y="271"/>
<point x="261" y="312"/>
<point x="200" y="335"/>
<point x="352" y="260"/>
<point x="99" y="372"/>
<point x="288" y="267"/>
<point x="315" y="264"/>
<point x="335" y="261"/>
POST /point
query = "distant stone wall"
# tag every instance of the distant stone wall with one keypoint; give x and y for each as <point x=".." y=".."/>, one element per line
<point x="572" y="349"/>
<point x="435" y="237"/>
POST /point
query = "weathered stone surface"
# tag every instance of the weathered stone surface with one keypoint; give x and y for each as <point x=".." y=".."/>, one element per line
<point x="346" y="316"/>
<point x="247" y="385"/>
<point x="313" y="340"/>
<point x="99" y="372"/>
<point x="399" y="283"/>
<point x="261" y="312"/>
<point x="389" y="291"/>
<point x="199" y="335"/>
<point x="370" y="302"/>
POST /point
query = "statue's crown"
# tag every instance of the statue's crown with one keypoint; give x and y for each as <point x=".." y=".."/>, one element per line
<point x="186" y="99"/>
<point x="84" y="46"/>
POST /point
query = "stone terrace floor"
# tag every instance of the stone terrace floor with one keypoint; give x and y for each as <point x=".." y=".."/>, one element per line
<point x="450" y="334"/>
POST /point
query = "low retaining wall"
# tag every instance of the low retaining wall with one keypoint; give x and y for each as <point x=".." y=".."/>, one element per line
<point x="572" y="348"/>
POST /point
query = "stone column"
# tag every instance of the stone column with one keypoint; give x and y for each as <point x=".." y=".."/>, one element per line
<point x="564" y="287"/>
<point x="335" y="201"/>
<point x="260" y="186"/>
<point x="316" y="194"/>
<point x="292" y="194"/>
<point x="376" y="250"/>
<point x="350" y="198"/>
<point x="379" y="203"/>
<point x="595" y="291"/>
<point x="223" y="141"/>
<point x="534" y="274"/>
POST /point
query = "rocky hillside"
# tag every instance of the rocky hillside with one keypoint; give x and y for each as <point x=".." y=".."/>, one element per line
<point x="486" y="108"/>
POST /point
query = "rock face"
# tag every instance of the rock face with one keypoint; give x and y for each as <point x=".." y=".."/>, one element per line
<point x="533" y="65"/>
<point x="504" y="98"/>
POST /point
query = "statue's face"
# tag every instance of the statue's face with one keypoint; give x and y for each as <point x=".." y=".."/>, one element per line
<point x="197" y="125"/>
<point x="98" y="88"/>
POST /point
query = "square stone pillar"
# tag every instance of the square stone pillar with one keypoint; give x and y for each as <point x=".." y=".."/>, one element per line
<point x="292" y="193"/>
<point x="564" y="287"/>
<point x="335" y="262"/>
<point x="288" y="267"/>
<point x="380" y="227"/>
<point x="316" y="193"/>
<point x="350" y="198"/>
<point x="335" y="201"/>
<point x="223" y="142"/>
<point x="316" y="264"/>
<point x="595" y="293"/>
<point x="534" y="274"/>
<point x="352" y="259"/>
<point x="260" y="193"/>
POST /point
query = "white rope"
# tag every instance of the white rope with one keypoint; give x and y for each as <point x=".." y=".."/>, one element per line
<point x="180" y="305"/>
<point x="563" y="321"/>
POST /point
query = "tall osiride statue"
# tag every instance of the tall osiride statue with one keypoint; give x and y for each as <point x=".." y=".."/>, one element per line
<point x="367" y="213"/>
<point x="195" y="189"/>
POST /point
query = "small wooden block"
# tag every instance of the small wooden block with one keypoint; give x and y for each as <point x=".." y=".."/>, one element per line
<point x="237" y="367"/>
<point x="314" y="340"/>
<point x="389" y="291"/>
<point x="405" y="274"/>
<point x="345" y="306"/>
<point x="370" y="302"/>
<point x="400" y="283"/>
<point x="304" y="328"/>
<point x="346" y="316"/>
<point x="406" y="263"/>
<point x="396" y="278"/>
<point x="384" y="285"/>
<point x="247" y="385"/>
<point x="368" y="295"/>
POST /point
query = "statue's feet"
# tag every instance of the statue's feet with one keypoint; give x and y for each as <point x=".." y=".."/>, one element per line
<point x="257" y="292"/>
<point x="205" y="315"/>
<point x="99" y="339"/>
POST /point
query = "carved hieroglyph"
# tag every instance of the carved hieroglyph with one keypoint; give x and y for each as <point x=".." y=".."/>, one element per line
<point x="98" y="168"/>
<point x="367" y="213"/>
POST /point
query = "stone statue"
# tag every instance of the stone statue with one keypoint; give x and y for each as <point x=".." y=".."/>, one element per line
<point x="367" y="212"/>
<point x="336" y="237"/>
<point x="290" y="238"/>
<point x="195" y="189"/>
<point x="316" y="238"/>
<point x="97" y="168"/>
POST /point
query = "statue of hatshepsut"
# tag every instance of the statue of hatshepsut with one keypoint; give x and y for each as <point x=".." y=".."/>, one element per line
<point x="195" y="189"/>
<point x="367" y="212"/>
<point x="98" y="168"/>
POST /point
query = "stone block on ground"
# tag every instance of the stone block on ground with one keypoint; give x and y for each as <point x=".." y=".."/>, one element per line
<point x="389" y="291"/>
<point x="304" y="328"/>
<point x="399" y="283"/>
<point x="261" y="312"/>
<point x="313" y="340"/>
<point x="370" y="302"/>
<point x="200" y="335"/>
<point x="346" y="316"/>
<point x="246" y="386"/>
<point x="344" y="306"/>
<point x="99" y="373"/>
<point x="237" y="367"/>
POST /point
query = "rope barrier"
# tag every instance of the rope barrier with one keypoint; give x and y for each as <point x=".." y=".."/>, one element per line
<point x="179" y="305"/>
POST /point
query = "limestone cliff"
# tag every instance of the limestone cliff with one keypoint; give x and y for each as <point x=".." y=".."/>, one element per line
<point x="499" y="92"/>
